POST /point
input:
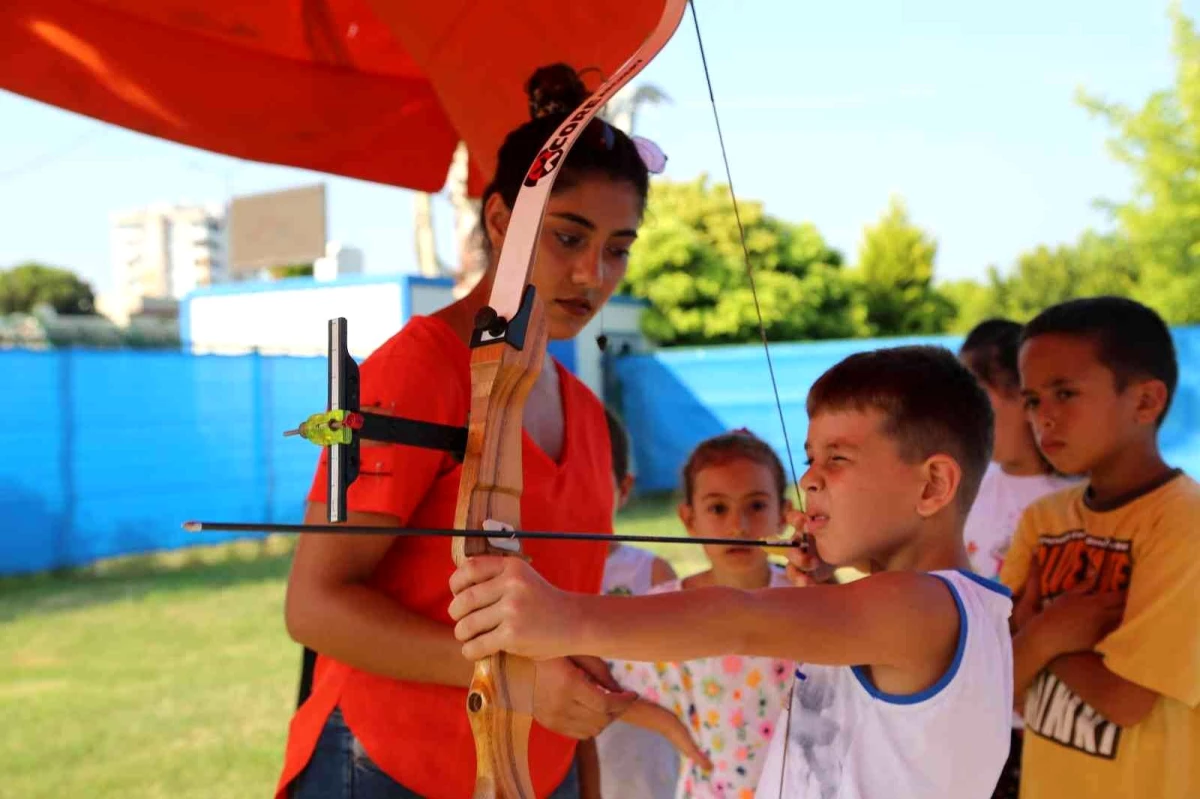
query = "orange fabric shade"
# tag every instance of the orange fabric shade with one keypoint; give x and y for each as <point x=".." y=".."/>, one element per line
<point x="380" y="90"/>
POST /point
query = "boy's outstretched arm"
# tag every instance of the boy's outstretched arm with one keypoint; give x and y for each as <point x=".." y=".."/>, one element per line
<point x="904" y="620"/>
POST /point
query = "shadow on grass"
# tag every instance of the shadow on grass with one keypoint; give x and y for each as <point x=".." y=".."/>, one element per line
<point x="137" y="577"/>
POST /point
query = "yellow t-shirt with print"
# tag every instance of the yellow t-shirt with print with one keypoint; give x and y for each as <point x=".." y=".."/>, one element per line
<point x="1149" y="545"/>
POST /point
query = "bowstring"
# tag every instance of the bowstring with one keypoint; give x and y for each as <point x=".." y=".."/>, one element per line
<point x="762" y="329"/>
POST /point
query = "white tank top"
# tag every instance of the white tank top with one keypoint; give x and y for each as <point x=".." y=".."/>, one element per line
<point x="634" y="762"/>
<point x="848" y="740"/>
<point x="628" y="571"/>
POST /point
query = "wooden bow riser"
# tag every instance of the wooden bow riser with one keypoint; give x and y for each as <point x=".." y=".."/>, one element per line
<point x="500" y="697"/>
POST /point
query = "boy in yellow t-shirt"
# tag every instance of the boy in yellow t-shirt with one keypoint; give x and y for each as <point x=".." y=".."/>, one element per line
<point x="1106" y="650"/>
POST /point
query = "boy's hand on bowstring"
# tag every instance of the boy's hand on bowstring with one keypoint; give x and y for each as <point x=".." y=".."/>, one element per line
<point x="502" y="605"/>
<point x="805" y="566"/>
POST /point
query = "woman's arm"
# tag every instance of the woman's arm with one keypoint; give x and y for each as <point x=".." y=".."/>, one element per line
<point x="331" y="609"/>
<point x="587" y="761"/>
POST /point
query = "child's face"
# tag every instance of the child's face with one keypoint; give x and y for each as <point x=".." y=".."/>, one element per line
<point x="861" y="497"/>
<point x="1079" y="419"/>
<point x="737" y="498"/>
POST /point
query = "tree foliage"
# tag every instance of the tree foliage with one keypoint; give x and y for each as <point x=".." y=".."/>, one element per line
<point x="30" y="284"/>
<point x="896" y="267"/>
<point x="1160" y="144"/>
<point x="690" y="265"/>
<point x="1095" y="264"/>
<point x="1153" y="253"/>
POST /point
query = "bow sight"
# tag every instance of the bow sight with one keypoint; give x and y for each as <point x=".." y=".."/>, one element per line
<point x="344" y="425"/>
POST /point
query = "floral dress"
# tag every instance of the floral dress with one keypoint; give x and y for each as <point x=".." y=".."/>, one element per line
<point x="730" y="703"/>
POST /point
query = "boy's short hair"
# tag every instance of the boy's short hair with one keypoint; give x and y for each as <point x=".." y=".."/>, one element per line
<point x="1132" y="341"/>
<point x="618" y="439"/>
<point x="931" y="402"/>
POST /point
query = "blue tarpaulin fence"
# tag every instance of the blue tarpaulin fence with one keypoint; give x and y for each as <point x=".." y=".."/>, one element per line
<point x="109" y="452"/>
<point x="673" y="399"/>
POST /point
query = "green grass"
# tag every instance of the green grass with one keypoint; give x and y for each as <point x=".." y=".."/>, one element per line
<point x="168" y="675"/>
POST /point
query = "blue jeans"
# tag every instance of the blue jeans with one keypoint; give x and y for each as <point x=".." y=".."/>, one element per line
<point x="341" y="769"/>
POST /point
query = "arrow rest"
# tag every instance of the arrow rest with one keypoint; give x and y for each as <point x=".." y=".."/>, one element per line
<point x="491" y="327"/>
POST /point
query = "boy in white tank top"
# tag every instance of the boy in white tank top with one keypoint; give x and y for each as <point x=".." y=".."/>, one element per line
<point x="906" y="684"/>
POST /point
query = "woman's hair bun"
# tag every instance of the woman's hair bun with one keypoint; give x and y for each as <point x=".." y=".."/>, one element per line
<point x="555" y="89"/>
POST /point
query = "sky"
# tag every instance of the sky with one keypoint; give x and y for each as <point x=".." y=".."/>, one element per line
<point x="966" y="110"/>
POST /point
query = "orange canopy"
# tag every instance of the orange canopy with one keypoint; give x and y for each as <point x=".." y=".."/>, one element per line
<point x="380" y="90"/>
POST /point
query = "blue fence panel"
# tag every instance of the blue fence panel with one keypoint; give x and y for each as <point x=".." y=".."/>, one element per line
<point x="295" y="388"/>
<point x="673" y="399"/>
<point x="121" y="447"/>
<point x="109" y="452"/>
<point x="1180" y="434"/>
<point x="34" y="496"/>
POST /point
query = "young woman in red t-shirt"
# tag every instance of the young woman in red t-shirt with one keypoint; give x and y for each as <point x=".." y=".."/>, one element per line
<point x="386" y="716"/>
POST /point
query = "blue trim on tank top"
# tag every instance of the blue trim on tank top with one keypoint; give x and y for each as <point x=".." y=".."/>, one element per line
<point x="920" y="696"/>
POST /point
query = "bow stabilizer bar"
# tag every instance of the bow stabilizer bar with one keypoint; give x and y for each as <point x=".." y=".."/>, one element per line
<point x="344" y="425"/>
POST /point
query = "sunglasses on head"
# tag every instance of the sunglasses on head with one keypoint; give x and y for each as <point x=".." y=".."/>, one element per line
<point x="602" y="134"/>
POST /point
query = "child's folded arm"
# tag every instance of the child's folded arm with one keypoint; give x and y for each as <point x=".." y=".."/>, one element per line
<point x="1157" y="645"/>
<point x="1032" y="652"/>
<point x="1118" y="700"/>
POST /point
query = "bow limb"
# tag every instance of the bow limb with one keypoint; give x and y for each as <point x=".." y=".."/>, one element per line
<point x="507" y="352"/>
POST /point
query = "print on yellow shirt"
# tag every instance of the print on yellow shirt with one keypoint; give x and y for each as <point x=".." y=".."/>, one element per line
<point x="1148" y="546"/>
<point x="1070" y="561"/>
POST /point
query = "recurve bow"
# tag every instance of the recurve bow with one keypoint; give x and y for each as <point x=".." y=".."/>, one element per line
<point x="507" y="351"/>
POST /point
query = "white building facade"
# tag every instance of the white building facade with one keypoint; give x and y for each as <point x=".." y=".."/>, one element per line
<point x="290" y="317"/>
<point x="166" y="251"/>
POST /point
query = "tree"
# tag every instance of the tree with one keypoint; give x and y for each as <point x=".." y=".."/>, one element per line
<point x="1095" y="264"/>
<point x="895" y="265"/>
<point x="973" y="301"/>
<point x="290" y="270"/>
<point x="689" y="263"/>
<point x="30" y="284"/>
<point x="1160" y="143"/>
<point x="622" y="110"/>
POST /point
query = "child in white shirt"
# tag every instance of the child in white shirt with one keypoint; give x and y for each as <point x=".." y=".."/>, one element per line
<point x="1018" y="473"/>
<point x="734" y="486"/>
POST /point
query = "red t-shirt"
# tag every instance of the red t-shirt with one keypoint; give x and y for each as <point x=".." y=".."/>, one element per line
<point x="419" y="733"/>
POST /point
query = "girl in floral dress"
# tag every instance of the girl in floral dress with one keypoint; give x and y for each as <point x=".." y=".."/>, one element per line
<point x="733" y="487"/>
